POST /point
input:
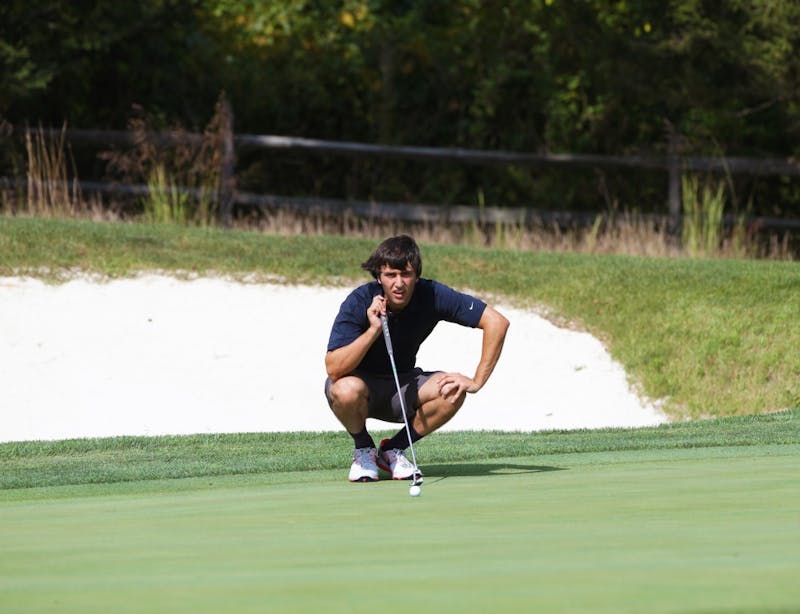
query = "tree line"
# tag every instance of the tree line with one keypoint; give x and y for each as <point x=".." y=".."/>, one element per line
<point x="585" y="77"/>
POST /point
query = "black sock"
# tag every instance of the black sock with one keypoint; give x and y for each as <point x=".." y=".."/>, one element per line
<point x="363" y="439"/>
<point x="400" y="439"/>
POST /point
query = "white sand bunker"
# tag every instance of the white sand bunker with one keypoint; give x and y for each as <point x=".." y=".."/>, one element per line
<point x="157" y="355"/>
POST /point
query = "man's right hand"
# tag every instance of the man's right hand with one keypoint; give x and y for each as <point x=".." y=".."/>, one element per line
<point x="343" y="360"/>
<point x="376" y="309"/>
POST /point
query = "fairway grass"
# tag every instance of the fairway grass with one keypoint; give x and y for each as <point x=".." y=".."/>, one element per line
<point x="697" y="529"/>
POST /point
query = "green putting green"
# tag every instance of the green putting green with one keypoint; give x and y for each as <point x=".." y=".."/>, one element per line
<point x="660" y="530"/>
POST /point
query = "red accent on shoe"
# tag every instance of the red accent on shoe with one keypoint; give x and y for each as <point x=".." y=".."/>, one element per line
<point x="380" y="462"/>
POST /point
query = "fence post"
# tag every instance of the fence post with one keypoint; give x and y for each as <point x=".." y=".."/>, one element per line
<point x="675" y="199"/>
<point x="227" y="178"/>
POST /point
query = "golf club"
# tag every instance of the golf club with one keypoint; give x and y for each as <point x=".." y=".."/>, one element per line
<point x="417" y="479"/>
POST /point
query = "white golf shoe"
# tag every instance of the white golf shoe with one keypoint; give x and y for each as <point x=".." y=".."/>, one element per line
<point x="364" y="467"/>
<point x="394" y="461"/>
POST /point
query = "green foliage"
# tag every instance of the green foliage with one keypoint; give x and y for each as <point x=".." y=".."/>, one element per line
<point x="23" y="71"/>
<point x="591" y="77"/>
<point x="87" y="63"/>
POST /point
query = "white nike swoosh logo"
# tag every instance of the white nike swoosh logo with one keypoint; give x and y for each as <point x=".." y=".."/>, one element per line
<point x="470" y="306"/>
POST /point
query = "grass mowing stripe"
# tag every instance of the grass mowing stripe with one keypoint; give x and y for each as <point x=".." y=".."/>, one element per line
<point x="36" y="464"/>
<point x="651" y="530"/>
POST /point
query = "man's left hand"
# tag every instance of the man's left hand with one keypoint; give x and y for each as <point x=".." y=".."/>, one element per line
<point x="452" y="386"/>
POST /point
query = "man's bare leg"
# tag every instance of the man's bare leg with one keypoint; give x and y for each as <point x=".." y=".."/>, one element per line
<point x="349" y="396"/>
<point x="434" y="411"/>
<point x="349" y="400"/>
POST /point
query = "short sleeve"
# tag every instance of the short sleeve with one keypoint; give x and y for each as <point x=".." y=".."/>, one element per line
<point x="458" y="307"/>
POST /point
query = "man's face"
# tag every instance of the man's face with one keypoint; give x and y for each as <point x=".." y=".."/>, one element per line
<point x="398" y="286"/>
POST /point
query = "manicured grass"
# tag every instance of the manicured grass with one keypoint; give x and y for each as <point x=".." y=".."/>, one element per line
<point x="125" y="459"/>
<point x="704" y="529"/>
<point x="697" y="516"/>
<point x="711" y="337"/>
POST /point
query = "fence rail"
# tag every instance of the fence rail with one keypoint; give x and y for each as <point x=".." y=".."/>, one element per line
<point x="673" y="163"/>
<point x="745" y="165"/>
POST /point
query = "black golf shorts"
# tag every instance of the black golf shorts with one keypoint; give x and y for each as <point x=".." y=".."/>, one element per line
<point x="384" y="402"/>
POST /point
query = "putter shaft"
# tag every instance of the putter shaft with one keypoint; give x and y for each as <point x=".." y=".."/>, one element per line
<point x="388" y="339"/>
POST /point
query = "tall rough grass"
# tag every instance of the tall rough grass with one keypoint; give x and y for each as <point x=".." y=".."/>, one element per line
<point x="628" y="233"/>
<point x="182" y="174"/>
<point x="165" y="202"/>
<point x="51" y="187"/>
<point x="703" y="208"/>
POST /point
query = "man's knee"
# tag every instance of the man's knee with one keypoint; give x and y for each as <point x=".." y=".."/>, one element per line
<point x="456" y="404"/>
<point x="348" y="392"/>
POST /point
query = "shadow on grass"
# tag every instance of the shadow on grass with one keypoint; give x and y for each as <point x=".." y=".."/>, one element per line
<point x="483" y="469"/>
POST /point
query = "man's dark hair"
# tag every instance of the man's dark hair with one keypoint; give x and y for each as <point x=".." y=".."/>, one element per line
<point x="396" y="253"/>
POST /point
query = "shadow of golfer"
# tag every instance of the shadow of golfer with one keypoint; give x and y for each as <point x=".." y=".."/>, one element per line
<point x="483" y="469"/>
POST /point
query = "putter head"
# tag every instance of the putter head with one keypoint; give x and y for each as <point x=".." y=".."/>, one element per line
<point x="416" y="479"/>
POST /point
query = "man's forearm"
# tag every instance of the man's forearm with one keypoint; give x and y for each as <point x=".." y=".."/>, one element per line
<point x="344" y="360"/>
<point x="494" y="326"/>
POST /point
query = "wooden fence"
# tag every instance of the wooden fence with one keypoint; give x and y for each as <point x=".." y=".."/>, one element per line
<point x="674" y="164"/>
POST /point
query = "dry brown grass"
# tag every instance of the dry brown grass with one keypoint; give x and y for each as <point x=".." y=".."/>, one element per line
<point x="51" y="188"/>
<point x="182" y="172"/>
<point x="629" y="234"/>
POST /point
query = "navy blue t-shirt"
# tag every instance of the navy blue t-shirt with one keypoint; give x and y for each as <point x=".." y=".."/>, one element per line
<point x="432" y="302"/>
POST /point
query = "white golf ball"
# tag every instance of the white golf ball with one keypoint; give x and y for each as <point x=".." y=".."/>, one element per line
<point x="415" y="491"/>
